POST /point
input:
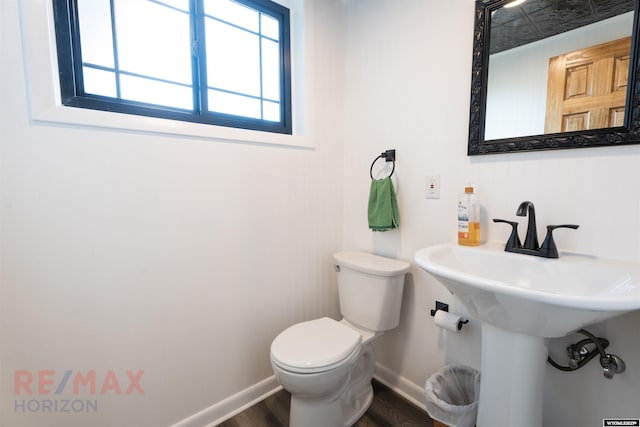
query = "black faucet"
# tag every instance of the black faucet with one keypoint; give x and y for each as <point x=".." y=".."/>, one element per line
<point x="531" y="240"/>
<point x="531" y="246"/>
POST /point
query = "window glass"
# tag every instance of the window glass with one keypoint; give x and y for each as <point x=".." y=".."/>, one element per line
<point x="95" y="32"/>
<point x="234" y="63"/>
<point x="153" y="40"/>
<point x="177" y="4"/>
<point x="270" y="70"/>
<point x="100" y="82"/>
<point x="269" y="27"/>
<point x="271" y="111"/>
<point x="156" y="92"/>
<point x="229" y="103"/>
<point x="233" y="13"/>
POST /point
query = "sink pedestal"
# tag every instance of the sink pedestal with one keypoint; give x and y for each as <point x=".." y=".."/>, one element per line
<point x="512" y="378"/>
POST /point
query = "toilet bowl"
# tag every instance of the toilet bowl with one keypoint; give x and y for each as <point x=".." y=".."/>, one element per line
<point x="327" y="365"/>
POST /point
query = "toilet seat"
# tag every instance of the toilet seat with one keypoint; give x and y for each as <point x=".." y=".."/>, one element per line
<point x="315" y="346"/>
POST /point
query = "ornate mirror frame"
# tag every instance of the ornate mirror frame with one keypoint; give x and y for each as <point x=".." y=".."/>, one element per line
<point x="627" y="134"/>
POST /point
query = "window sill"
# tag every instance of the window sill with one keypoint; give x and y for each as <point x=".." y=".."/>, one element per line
<point x="60" y="114"/>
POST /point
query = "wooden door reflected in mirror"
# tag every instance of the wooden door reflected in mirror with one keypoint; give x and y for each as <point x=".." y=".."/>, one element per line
<point x="587" y="88"/>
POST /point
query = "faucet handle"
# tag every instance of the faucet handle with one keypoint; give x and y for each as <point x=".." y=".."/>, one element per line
<point x="553" y="227"/>
<point x="548" y="248"/>
<point x="514" y="239"/>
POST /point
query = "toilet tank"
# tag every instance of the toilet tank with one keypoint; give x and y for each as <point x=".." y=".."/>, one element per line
<point x="370" y="289"/>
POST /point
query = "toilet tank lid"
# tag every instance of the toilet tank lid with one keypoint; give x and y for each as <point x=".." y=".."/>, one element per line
<point x="372" y="264"/>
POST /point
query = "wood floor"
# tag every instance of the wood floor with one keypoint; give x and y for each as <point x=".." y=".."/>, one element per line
<point x="388" y="409"/>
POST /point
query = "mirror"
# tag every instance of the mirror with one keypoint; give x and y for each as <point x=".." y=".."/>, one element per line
<point x="512" y="89"/>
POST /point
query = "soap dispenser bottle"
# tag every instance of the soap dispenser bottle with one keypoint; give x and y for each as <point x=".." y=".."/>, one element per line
<point x="468" y="218"/>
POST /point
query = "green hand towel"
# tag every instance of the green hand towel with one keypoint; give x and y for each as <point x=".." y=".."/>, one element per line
<point x="383" y="205"/>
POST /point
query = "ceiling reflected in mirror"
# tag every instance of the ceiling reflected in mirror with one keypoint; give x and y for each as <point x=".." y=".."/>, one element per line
<point x="536" y="20"/>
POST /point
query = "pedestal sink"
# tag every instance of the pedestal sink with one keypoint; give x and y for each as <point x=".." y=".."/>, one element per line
<point x="521" y="300"/>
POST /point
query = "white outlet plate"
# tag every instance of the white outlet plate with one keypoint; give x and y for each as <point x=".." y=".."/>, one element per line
<point x="433" y="187"/>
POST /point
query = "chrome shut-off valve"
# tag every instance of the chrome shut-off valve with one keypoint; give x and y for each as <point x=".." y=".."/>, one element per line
<point x="612" y="365"/>
<point x="585" y="350"/>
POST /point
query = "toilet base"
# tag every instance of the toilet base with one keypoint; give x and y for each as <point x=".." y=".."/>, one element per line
<point x="358" y="407"/>
<point x="315" y="413"/>
<point x="338" y="413"/>
<point x="342" y="408"/>
<point x="359" y="394"/>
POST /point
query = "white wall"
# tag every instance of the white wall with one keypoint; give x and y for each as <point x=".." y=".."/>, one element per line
<point x="182" y="257"/>
<point x="408" y="85"/>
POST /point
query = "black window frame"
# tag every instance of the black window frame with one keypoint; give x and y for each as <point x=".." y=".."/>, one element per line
<point x="71" y="74"/>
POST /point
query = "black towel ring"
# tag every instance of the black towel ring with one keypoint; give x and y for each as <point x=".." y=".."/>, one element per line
<point x="389" y="156"/>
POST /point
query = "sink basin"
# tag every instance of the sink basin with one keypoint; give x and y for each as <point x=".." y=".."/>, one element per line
<point x="531" y="295"/>
<point x="522" y="300"/>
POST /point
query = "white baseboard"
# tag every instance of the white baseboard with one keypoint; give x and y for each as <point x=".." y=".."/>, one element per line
<point x="233" y="405"/>
<point x="401" y="385"/>
<point x="227" y="408"/>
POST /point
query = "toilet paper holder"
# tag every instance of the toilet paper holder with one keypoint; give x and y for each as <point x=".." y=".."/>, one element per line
<point x="445" y="307"/>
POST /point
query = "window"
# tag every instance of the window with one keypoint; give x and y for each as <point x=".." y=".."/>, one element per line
<point x="221" y="62"/>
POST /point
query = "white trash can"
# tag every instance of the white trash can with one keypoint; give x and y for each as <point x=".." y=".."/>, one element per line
<point x="452" y="396"/>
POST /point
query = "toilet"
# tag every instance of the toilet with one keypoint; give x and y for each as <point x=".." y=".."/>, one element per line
<point x="327" y="365"/>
